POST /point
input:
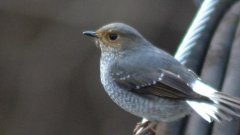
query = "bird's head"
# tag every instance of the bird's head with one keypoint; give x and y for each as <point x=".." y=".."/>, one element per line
<point x="116" y="37"/>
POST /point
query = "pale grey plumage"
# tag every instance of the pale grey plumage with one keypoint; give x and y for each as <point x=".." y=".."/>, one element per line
<point x="148" y="82"/>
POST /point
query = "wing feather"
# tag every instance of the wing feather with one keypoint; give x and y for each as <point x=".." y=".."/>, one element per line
<point x="162" y="84"/>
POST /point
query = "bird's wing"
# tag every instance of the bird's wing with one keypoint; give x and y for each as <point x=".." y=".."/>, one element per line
<point x="161" y="83"/>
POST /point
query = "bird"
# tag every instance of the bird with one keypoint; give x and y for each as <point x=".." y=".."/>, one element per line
<point x="148" y="82"/>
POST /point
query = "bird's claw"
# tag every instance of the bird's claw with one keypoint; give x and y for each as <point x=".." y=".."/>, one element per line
<point x="145" y="128"/>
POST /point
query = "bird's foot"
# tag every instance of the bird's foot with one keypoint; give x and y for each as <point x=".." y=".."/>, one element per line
<point x="145" y="127"/>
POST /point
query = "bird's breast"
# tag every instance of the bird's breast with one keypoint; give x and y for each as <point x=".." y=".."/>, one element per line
<point x="154" y="108"/>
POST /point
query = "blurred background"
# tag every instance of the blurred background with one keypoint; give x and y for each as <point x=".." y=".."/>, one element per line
<point x="49" y="72"/>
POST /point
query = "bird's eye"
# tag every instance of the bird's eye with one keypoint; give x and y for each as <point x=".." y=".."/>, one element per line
<point x="113" y="36"/>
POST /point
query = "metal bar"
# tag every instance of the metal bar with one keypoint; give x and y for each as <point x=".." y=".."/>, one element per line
<point x="192" y="50"/>
<point x="214" y="67"/>
<point x="231" y="83"/>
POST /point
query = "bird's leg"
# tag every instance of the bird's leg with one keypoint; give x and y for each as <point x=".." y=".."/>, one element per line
<point x="145" y="126"/>
<point x="140" y="126"/>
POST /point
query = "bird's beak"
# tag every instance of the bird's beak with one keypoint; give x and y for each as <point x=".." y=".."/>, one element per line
<point x="90" y="33"/>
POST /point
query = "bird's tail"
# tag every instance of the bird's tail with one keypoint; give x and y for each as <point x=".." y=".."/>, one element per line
<point x="222" y="107"/>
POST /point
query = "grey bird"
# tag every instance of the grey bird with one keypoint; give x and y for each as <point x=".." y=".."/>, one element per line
<point x="150" y="83"/>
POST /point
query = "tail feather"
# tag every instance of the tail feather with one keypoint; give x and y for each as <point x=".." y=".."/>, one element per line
<point x="227" y="110"/>
<point x="205" y="110"/>
<point x="227" y="97"/>
<point x="222" y="107"/>
<point x="223" y="116"/>
<point x="228" y="103"/>
<point x="229" y="100"/>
